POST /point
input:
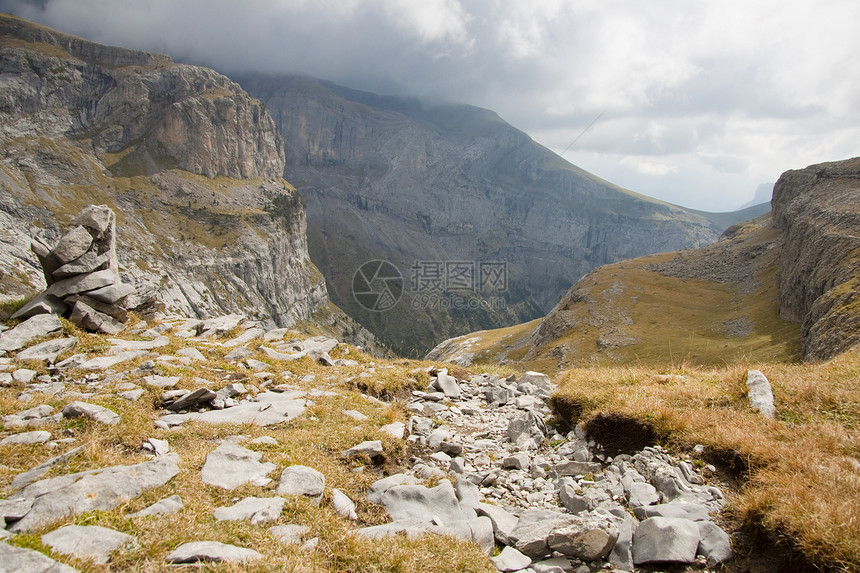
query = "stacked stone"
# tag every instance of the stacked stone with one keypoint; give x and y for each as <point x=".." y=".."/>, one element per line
<point x="82" y="275"/>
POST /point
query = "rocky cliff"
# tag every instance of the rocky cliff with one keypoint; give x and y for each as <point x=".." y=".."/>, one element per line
<point x="190" y="163"/>
<point x="405" y="181"/>
<point x="818" y="210"/>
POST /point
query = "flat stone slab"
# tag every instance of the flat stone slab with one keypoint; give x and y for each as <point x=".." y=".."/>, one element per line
<point x="212" y="551"/>
<point x="91" y="542"/>
<point x="48" y="350"/>
<point x="32" y="328"/>
<point x="156" y="381"/>
<point x="256" y="510"/>
<point x="417" y="502"/>
<point x="22" y="560"/>
<point x="105" y="362"/>
<point x="139" y="344"/>
<point x="35" y="437"/>
<point x="67" y="495"/>
<point x="92" y="411"/>
<point x="229" y="465"/>
<point x="272" y="408"/>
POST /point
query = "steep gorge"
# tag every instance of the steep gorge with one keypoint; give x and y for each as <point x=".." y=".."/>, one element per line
<point x="408" y="181"/>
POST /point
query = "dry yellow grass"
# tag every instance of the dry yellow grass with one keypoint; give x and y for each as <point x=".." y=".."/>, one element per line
<point x="316" y="439"/>
<point x="800" y="474"/>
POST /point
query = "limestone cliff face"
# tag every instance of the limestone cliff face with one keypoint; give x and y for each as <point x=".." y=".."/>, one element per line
<point x="190" y="163"/>
<point x="400" y="180"/>
<point x="818" y="209"/>
<point x="155" y="113"/>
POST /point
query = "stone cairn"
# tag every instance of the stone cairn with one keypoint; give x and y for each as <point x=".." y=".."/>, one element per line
<point x="82" y="274"/>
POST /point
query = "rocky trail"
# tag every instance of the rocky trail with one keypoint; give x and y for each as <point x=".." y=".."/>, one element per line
<point x="478" y="463"/>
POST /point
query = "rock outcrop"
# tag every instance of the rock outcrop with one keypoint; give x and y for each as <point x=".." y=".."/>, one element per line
<point x="819" y="265"/>
<point x="191" y="165"/>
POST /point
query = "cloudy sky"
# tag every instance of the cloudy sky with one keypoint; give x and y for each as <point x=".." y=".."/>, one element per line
<point x="694" y="102"/>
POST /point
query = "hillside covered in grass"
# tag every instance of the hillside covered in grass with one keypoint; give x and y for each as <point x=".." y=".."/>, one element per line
<point x="775" y="289"/>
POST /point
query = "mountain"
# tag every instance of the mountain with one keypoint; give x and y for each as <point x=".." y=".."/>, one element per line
<point x="763" y="195"/>
<point x="778" y="288"/>
<point x="191" y="164"/>
<point x="442" y="191"/>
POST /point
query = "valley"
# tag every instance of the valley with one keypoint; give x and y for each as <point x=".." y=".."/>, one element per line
<point x="617" y="383"/>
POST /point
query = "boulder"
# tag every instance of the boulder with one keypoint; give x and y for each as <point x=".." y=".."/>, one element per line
<point x="92" y="411"/>
<point x="420" y="503"/>
<point x="533" y="528"/>
<point x="511" y="560"/>
<point x="665" y="540"/>
<point x="503" y="521"/>
<point x="588" y="537"/>
<point x="715" y="545"/>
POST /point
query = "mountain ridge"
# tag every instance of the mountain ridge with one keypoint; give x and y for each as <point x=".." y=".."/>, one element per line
<point x="401" y="180"/>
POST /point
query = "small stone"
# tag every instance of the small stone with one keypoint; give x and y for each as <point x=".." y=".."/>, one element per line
<point x="395" y="429"/>
<point x="343" y="505"/>
<point x="168" y="505"/>
<point x="355" y="415"/>
<point x="370" y="448"/>
<point x="760" y="393"/>
<point x="256" y="510"/>
<point x="290" y="534"/>
<point x="191" y="353"/>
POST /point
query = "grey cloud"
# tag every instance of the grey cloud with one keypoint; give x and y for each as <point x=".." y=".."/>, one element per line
<point x="672" y="79"/>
